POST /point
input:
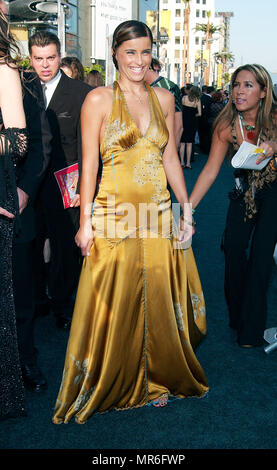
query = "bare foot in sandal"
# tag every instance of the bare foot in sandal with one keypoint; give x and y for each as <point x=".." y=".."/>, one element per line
<point x="161" y="401"/>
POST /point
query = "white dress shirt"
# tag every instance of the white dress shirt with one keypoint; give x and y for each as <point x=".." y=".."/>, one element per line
<point x="51" y="87"/>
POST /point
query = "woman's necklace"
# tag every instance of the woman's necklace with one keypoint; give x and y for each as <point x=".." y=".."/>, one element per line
<point x="250" y="134"/>
<point x="137" y="97"/>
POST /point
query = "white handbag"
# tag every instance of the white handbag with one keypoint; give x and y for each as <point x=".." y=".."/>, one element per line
<point x="247" y="155"/>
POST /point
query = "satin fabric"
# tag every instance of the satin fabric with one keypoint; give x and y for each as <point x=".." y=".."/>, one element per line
<point x="139" y="310"/>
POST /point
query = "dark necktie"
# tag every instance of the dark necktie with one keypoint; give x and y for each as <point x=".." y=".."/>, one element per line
<point x="44" y="94"/>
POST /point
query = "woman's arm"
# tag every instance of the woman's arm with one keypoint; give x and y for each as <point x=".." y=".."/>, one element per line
<point x="92" y="117"/>
<point x="220" y="143"/>
<point x="171" y="163"/>
<point x="199" y="110"/>
<point x="11" y="104"/>
<point x="11" y="100"/>
<point x="172" y="166"/>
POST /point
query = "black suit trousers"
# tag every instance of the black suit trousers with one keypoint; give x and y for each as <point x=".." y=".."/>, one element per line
<point x="65" y="258"/>
<point x="249" y="247"/>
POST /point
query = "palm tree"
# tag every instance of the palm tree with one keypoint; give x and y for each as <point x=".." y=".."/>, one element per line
<point x="185" y="66"/>
<point x="224" y="57"/>
<point x="209" y="29"/>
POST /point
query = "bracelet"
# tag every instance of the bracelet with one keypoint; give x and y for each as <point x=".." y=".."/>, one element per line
<point x="192" y="223"/>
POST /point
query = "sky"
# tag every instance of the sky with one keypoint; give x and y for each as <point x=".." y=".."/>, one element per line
<point x="253" y="29"/>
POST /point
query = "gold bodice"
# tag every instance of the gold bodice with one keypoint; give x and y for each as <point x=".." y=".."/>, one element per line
<point x="133" y="178"/>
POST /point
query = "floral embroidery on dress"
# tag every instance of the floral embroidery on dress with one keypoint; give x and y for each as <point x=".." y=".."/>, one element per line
<point x="83" y="398"/>
<point x="198" y="305"/>
<point x="147" y="171"/>
<point x="83" y="369"/>
<point x="179" y="313"/>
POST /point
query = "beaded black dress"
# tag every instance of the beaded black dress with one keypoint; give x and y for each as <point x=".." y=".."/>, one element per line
<point x="13" y="147"/>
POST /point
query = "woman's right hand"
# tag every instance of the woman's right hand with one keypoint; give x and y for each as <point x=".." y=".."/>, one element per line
<point x="6" y="213"/>
<point x="84" y="240"/>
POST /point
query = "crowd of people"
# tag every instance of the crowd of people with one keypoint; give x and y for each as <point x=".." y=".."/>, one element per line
<point x="128" y="300"/>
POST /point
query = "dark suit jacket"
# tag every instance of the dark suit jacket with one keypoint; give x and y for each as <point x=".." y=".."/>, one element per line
<point x="206" y="101"/>
<point x="30" y="172"/>
<point x="63" y="113"/>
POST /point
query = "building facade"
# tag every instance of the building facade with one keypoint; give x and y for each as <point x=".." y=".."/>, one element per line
<point x="185" y="49"/>
<point x="87" y="24"/>
<point x="190" y="35"/>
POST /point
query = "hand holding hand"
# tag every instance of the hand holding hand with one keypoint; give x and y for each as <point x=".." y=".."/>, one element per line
<point x="187" y="229"/>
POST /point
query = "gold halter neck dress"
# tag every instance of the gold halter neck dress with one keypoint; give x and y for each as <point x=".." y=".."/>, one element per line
<point x="139" y="310"/>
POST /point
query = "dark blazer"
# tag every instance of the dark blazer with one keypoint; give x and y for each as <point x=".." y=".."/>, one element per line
<point x="63" y="113"/>
<point x="206" y="102"/>
<point x="30" y="171"/>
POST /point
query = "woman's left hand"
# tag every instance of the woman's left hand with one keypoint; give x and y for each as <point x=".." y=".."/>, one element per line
<point x="269" y="149"/>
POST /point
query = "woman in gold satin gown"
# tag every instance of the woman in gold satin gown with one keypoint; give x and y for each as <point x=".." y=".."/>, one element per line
<point x="139" y="309"/>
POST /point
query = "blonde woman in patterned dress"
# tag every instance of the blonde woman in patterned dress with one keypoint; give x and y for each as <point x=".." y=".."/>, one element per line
<point x="250" y="115"/>
<point x="139" y="310"/>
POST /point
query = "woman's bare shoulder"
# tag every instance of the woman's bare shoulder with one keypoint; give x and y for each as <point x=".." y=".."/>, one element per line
<point x="8" y="71"/>
<point x="99" y="99"/>
<point x="224" y="131"/>
<point x="166" y="99"/>
<point x="100" y="93"/>
<point x="162" y="93"/>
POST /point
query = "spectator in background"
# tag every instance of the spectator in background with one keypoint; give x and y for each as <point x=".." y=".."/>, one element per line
<point x="225" y="97"/>
<point x="29" y="176"/>
<point x="185" y="89"/>
<point x="63" y="101"/>
<point x="94" y="79"/>
<point x="73" y="68"/>
<point x="203" y="122"/>
<point x="156" y="66"/>
<point x="216" y="107"/>
<point x="191" y="110"/>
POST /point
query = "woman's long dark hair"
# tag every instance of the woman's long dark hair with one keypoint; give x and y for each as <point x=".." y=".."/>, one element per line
<point x="9" y="49"/>
<point x="127" y="30"/>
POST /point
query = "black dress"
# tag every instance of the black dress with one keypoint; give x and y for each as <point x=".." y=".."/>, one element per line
<point x="12" y="400"/>
<point x="189" y="124"/>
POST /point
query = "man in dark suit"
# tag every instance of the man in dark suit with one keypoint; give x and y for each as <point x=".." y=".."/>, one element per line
<point x="63" y="101"/>
<point x="204" y="128"/>
<point x="29" y="174"/>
